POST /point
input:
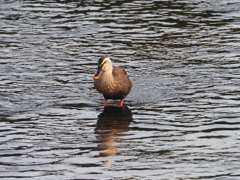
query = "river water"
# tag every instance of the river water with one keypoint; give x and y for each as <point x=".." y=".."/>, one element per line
<point x="180" y="121"/>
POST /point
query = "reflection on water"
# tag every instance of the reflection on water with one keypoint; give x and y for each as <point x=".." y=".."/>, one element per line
<point x="183" y="60"/>
<point x="111" y="125"/>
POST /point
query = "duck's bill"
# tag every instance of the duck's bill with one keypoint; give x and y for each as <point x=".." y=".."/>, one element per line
<point x="96" y="76"/>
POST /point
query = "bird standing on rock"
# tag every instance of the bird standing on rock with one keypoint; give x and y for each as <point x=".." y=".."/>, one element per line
<point x="113" y="82"/>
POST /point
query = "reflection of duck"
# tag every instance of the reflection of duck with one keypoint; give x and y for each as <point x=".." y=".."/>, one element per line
<point x="113" y="82"/>
<point x="111" y="123"/>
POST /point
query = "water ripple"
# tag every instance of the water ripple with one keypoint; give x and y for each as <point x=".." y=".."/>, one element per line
<point x="181" y="119"/>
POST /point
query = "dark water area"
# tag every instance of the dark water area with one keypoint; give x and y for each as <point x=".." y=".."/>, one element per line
<point x="180" y="121"/>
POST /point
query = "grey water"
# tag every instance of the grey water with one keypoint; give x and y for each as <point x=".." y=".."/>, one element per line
<point x="181" y="120"/>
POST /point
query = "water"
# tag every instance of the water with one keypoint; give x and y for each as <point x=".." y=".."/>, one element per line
<point x="181" y="119"/>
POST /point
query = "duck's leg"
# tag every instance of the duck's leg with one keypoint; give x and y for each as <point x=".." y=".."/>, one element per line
<point x="120" y="105"/>
<point x="106" y="102"/>
<point x="121" y="102"/>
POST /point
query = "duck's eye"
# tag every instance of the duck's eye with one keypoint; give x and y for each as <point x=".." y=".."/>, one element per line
<point x="102" y="64"/>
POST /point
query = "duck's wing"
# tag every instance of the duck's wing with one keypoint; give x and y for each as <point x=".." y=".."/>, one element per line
<point x="119" y="73"/>
<point x="121" y="79"/>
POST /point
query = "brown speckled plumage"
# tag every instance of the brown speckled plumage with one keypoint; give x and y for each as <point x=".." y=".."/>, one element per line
<point x="113" y="82"/>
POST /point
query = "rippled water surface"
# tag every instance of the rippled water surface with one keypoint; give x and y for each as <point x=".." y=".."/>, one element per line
<point x="181" y="119"/>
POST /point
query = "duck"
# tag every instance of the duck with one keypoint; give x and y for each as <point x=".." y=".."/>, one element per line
<point x="111" y="81"/>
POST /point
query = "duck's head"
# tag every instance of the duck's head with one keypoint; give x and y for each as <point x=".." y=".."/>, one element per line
<point x="104" y="66"/>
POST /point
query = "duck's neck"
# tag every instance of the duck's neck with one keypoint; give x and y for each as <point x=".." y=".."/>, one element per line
<point x="108" y="72"/>
<point x="108" y="78"/>
<point x="109" y="75"/>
